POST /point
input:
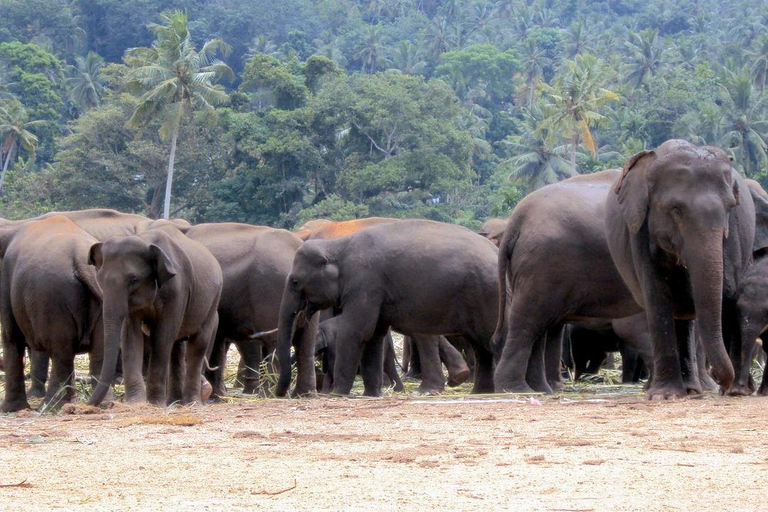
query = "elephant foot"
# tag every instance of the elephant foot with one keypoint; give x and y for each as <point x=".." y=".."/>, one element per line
<point x="541" y="387"/>
<point x="667" y="391"/>
<point x="306" y="394"/>
<point x="398" y="388"/>
<point x="738" y="389"/>
<point x="763" y="390"/>
<point x="15" y="405"/>
<point x="36" y="391"/>
<point x="429" y="390"/>
<point x="557" y="385"/>
<point x="521" y="387"/>
<point x="373" y="393"/>
<point x="458" y="378"/>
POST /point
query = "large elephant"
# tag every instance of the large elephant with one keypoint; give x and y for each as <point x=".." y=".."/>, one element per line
<point x="555" y="261"/>
<point x="379" y="278"/>
<point x="50" y="300"/>
<point x="680" y="225"/>
<point x="170" y="284"/>
<point x="255" y="262"/>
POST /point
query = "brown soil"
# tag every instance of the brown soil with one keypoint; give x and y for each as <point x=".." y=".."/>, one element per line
<point x="449" y="453"/>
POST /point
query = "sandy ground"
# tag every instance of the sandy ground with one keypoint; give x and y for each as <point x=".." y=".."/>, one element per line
<point x="450" y="453"/>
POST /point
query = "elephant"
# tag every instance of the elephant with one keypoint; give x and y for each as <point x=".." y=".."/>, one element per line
<point x="51" y="301"/>
<point x="554" y="260"/>
<point x="255" y="262"/>
<point x="493" y="230"/>
<point x="306" y="229"/>
<point x="680" y="225"/>
<point x="587" y="344"/>
<point x="379" y="278"/>
<point x="164" y="282"/>
<point x="752" y="304"/>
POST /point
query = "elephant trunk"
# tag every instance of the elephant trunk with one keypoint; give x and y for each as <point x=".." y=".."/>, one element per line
<point x="114" y="318"/>
<point x="706" y="274"/>
<point x="290" y="307"/>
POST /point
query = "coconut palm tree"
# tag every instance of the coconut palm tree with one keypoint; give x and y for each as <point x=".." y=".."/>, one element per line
<point x="760" y="65"/>
<point x="537" y="161"/>
<point x="574" y="102"/>
<point x="14" y="130"/>
<point x="86" y="86"/>
<point x="371" y="51"/>
<point x="535" y="60"/>
<point x="406" y="59"/>
<point x="173" y="78"/>
<point x="746" y="126"/>
<point x="260" y="45"/>
<point x="645" y="57"/>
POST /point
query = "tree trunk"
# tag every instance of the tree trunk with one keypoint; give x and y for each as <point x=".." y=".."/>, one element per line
<point x="5" y="168"/>
<point x="573" y="153"/>
<point x="169" y="181"/>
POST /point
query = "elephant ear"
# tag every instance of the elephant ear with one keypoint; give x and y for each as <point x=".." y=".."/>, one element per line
<point x="760" y="243"/>
<point x="165" y="269"/>
<point x="95" y="257"/>
<point x="632" y="189"/>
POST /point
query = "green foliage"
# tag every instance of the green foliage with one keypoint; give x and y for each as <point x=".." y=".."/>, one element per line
<point x="440" y="109"/>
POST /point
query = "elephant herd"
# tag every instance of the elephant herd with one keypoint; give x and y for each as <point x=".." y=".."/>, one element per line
<point x="664" y="260"/>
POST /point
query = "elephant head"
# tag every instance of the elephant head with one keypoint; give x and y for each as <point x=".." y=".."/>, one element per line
<point x="683" y="195"/>
<point x="131" y="271"/>
<point x="312" y="285"/>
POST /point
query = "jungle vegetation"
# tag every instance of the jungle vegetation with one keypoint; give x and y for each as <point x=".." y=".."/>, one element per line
<point x="278" y="112"/>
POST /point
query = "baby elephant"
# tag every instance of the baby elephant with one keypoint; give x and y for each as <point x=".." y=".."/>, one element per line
<point x="162" y="282"/>
<point x="753" y="322"/>
<point x="49" y="300"/>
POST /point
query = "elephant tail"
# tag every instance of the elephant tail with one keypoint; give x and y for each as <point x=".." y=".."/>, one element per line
<point x="506" y="246"/>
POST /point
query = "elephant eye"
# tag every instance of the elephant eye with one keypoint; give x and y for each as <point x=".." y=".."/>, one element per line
<point x="132" y="280"/>
<point x="676" y="212"/>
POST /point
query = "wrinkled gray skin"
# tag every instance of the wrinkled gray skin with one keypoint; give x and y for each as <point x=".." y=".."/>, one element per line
<point x="493" y="230"/>
<point x="255" y="262"/>
<point x="49" y="300"/>
<point x="680" y="224"/>
<point x="171" y="284"/>
<point x="555" y="260"/>
<point x="378" y="278"/>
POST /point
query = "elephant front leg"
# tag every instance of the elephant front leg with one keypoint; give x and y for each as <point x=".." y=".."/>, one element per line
<point x="458" y="371"/>
<point x="197" y="347"/>
<point x="484" y="379"/>
<point x="689" y="369"/>
<point x="306" y="385"/>
<point x="218" y="360"/>
<point x="132" y="350"/>
<point x="177" y="372"/>
<point x="13" y="351"/>
<point x="553" y="356"/>
<point x="667" y="376"/>
<point x="372" y="363"/>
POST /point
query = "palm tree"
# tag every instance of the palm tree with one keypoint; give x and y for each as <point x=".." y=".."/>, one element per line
<point x="537" y="161"/>
<point x="760" y="66"/>
<point x="260" y="45"/>
<point x="575" y="100"/>
<point x="743" y="109"/>
<point x="329" y="46"/>
<point x="646" y="56"/>
<point x="406" y="59"/>
<point x="534" y="61"/>
<point x="86" y="85"/>
<point x="14" y="129"/>
<point x="439" y="37"/>
<point x="371" y="51"/>
<point x="173" y="78"/>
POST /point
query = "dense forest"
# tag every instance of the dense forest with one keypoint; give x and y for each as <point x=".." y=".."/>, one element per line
<point x="278" y="112"/>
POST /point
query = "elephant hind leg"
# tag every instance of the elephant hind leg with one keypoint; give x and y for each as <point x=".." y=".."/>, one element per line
<point x="38" y="362"/>
<point x="458" y="370"/>
<point x="13" y="351"/>
<point x="372" y="363"/>
<point x="553" y="357"/>
<point x="61" y="388"/>
<point x="197" y="348"/>
<point x="390" y="363"/>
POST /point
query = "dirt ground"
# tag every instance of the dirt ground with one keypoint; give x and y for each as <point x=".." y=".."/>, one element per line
<point x="618" y="452"/>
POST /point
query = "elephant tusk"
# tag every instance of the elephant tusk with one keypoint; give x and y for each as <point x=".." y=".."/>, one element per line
<point x="145" y="329"/>
<point x="262" y="334"/>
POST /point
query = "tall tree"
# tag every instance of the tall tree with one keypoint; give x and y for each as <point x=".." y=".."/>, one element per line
<point x="173" y="79"/>
<point x="371" y="51"/>
<point x="85" y="84"/>
<point x="575" y="100"/>
<point x="14" y="130"/>
<point x="645" y="59"/>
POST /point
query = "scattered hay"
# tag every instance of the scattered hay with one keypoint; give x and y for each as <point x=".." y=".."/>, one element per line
<point x="179" y="420"/>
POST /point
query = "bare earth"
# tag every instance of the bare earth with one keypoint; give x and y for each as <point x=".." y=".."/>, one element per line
<point x="456" y="453"/>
